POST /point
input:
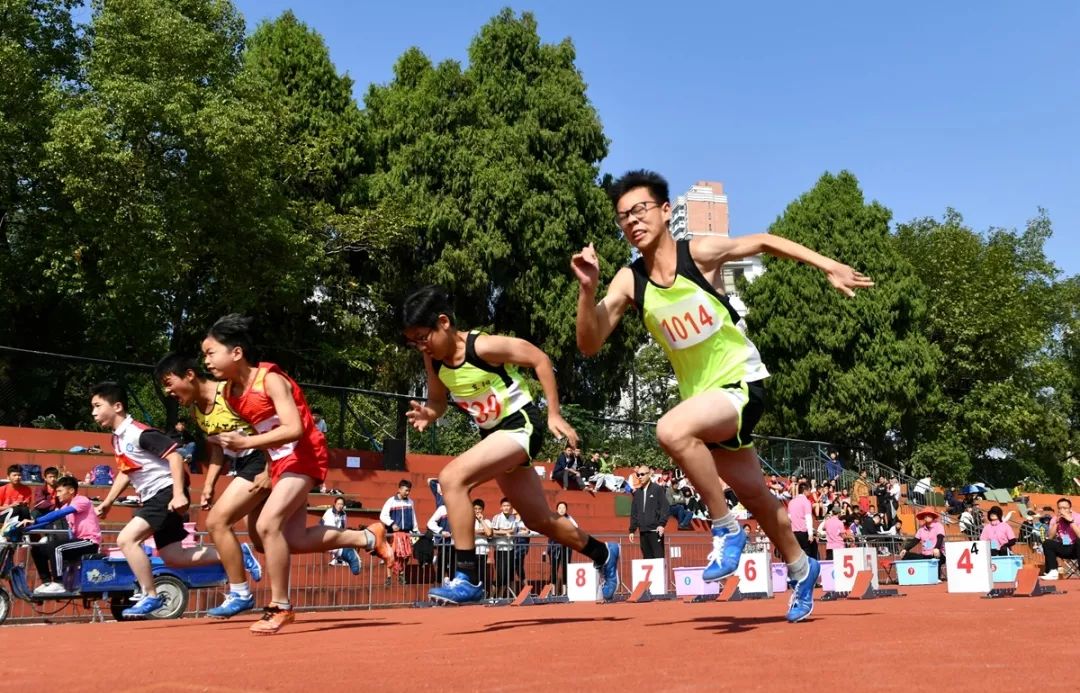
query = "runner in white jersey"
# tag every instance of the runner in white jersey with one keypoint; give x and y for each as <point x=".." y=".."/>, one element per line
<point x="147" y="460"/>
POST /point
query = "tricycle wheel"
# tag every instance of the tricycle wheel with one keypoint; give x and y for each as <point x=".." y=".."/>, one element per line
<point x="176" y="597"/>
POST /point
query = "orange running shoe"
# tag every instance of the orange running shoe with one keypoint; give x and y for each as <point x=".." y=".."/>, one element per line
<point x="274" y="618"/>
<point x="382" y="547"/>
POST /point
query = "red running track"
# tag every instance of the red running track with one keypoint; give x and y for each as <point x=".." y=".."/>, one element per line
<point x="925" y="640"/>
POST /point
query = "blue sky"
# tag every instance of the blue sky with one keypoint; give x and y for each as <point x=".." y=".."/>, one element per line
<point x="974" y="106"/>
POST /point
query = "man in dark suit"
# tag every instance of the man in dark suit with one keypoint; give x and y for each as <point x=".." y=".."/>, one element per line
<point x="648" y="514"/>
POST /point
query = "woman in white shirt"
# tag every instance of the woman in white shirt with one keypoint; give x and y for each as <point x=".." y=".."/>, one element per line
<point x="335" y="517"/>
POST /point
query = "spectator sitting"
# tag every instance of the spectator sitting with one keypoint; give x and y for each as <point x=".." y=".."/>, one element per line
<point x="998" y="533"/>
<point x="399" y="515"/>
<point x="336" y="517"/>
<point x="15" y="496"/>
<point x="1061" y="539"/>
<point x="45" y="497"/>
<point x="1027" y="529"/>
<point x="871" y="525"/>
<point x="51" y="556"/>
<point x="967" y="521"/>
<point x="606" y="478"/>
<point x="566" y="472"/>
<point x="588" y="470"/>
<point x="929" y="541"/>
<point x="953" y="503"/>
<point x="677" y="500"/>
<point x="894" y="530"/>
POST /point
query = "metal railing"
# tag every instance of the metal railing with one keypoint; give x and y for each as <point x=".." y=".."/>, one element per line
<point x="317" y="585"/>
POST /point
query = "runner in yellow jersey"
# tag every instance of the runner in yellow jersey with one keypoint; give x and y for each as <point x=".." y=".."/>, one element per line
<point x="245" y="494"/>
<point x="718" y="369"/>
<point x="481" y="373"/>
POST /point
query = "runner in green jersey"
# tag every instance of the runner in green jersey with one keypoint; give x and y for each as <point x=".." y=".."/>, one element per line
<point x="718" y="369"/>
<point x="480" y="372"/>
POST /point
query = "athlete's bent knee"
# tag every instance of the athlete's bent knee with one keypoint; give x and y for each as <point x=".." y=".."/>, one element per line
<point x="671" y="435"/>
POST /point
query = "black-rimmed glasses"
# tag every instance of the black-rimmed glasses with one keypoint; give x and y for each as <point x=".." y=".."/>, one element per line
<point x="638" y="211"/>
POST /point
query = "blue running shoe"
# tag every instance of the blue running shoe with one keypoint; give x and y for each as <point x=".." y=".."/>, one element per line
<point x="145" y="607"/>
<point x="802" y="594"/>
<point x="724" y="558"/>
<point x="233" y="605"/>
<point x="350" y="557"/>
<point x="457" y="591"/>
<point x="251" y="564"/>
<point x="609" y="571"/>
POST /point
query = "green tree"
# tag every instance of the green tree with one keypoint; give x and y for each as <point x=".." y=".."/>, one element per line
<point x="498" y="162"/>
<point x="844" y="370"/>
<point x="994" y="311"/>
<point x="324" y="159"/>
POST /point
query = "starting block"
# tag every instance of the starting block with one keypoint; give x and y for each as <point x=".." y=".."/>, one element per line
<point x="526" y="598"/>
<point x="862" y="588"/>
<point x="730" y="593"/>
<point x="643" y="593"/>
<point x="1027" y="585"/>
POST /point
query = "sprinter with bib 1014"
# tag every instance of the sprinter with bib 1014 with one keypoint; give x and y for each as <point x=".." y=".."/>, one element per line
<point x="718" y="369"/>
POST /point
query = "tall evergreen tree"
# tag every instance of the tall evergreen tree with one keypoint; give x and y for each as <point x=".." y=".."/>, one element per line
<point x="498" y="162"/>
<point x="844" y="370"/>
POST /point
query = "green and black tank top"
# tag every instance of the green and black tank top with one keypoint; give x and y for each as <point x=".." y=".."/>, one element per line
<point x="488" y="393"/>
<point x="702" y="334"/>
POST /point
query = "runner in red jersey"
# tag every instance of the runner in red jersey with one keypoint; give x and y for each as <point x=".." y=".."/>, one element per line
<point x="274" y="405"/>
<point x="307" y="455"/>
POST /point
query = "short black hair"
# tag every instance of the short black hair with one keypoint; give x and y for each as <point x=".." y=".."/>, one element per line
<point x="996" y="510"/>
<point x="803" y="486"/>
<point x="640" y="178"/>
<point x="111" y="392"/>
<point x="479" y="503"/>
<point x="50" y="470"/>
<point x="174" y="364"/>
<point x="234" y="330"/>
<point x="1064" y="500"/>
<point x="424" y="306"/>
<point x="404" y="482"/>
<point x="14" y="469"/>
<point x="505" y="500"/>
<point x="316" y="410"/>
<point x="68" y="482"/>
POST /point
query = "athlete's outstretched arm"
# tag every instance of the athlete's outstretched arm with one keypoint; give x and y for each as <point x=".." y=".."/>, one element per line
<point x="421" y="415"/>
<point x="499" y="350"/>
<point x="596" y="321"/>
<point x="711" y="252"/>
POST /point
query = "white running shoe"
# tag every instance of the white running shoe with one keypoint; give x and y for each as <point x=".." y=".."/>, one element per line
<point x="49" y="588"/>
<point x="1052" y="575"/>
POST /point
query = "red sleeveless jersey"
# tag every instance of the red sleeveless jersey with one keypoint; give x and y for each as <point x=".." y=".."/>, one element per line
<point x="309" y="454"/>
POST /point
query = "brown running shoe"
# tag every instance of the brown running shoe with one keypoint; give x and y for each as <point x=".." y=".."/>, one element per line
<point x="274" y="618"/>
